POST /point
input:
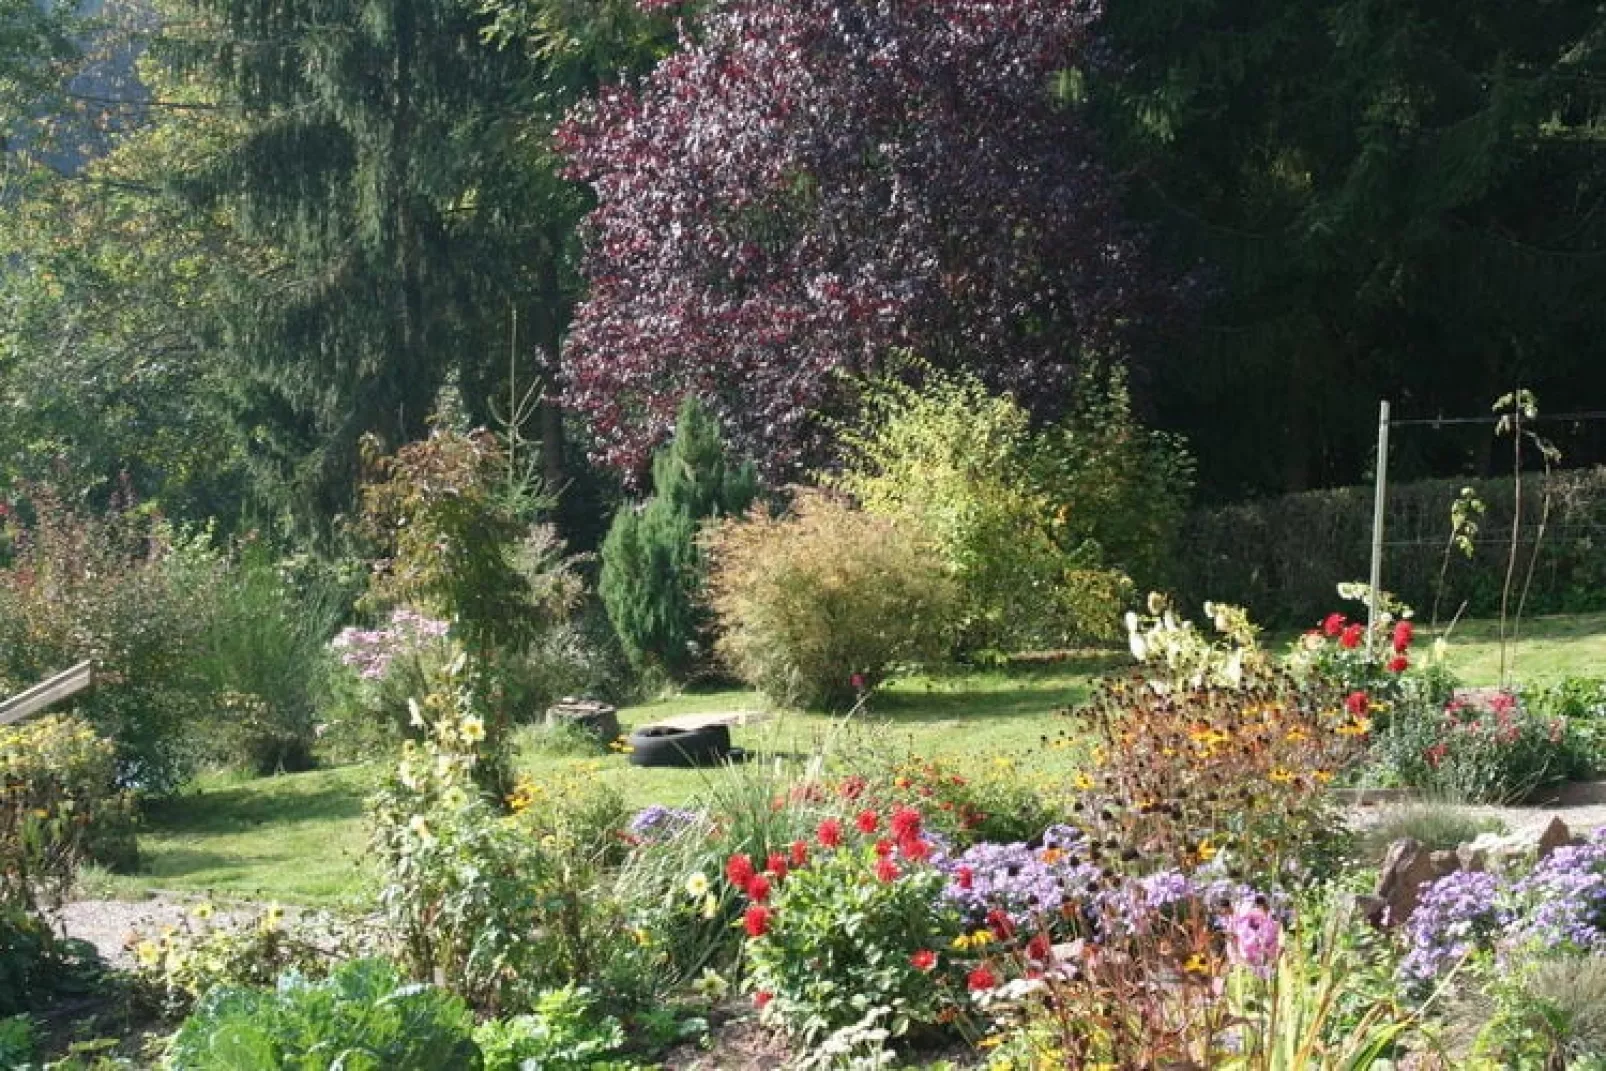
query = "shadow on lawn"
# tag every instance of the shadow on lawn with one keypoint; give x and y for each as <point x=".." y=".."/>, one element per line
<point x="1021" y="692"/>
<point x="293" y="798"/>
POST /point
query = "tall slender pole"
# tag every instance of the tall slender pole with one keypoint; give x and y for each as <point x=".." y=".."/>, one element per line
<point x="1378" y="505"/>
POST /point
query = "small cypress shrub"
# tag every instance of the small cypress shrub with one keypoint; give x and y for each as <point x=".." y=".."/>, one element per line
<point x="652" y="569"/>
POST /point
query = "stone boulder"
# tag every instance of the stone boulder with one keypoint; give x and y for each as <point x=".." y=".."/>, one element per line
<point x="599" y="719"/>
<point x="1406" y="868"/>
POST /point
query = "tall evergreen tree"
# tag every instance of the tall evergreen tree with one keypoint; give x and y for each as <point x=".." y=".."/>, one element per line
<point x="391" y="181"/>
<point x="652" y="569"/>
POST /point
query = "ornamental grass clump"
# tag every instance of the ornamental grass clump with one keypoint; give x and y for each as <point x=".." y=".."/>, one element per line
<point x="819" y="604"/>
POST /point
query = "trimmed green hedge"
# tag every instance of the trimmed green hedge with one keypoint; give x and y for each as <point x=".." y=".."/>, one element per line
<point x="1282" y="557"/>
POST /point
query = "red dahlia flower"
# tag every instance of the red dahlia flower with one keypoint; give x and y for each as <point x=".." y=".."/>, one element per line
<point x="761" y="998"/>
<point x="739" y="869"/>
<point x="776" y="865"/>
<point x="830" y="833"/>
<point x="923" y="960"/>
<point x="1356" y="703"/>
<point x="1333" y="625"/>
<point x="758" y="888"/>
<point x="1350" y="638"/>
<point x="1399" y="664"/>
<point x="981" y="978"/>
<point x="905" y="822"/>
<point x="886" y="870"/>
<point x="867" y="822"/>
<point x="800" y="853"/>
<point x="1404" y="633"/>
<point x="883" y="848"/>
<point x="756" y="921"/>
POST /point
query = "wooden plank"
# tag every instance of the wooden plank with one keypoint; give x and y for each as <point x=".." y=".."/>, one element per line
<point x="67" y="683"/>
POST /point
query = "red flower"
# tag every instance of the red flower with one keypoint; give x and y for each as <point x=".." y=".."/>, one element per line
<point x="756" y="920"/>
<point x="923" y="960"/>
<point x="800" y="853"/>
<point x="1435" y="754"/>
<point x="1002" y="925"/>
<point x="1039" y="948"/>
<point x="739" y="869"/>
<point x="867" y="821"/>
<point x="830" y="833"/>
<point x="883" y="848"/>
<point x="761" y="998"/>
<point x="1404" y="633"/>
<point x="914" y="849"/>
<point x="1356" y="703"/>
<point x="1333" y="625"/>
<point x="776" y="865"/>
<point x="886" y="870"/>
<point x="857" y="680"/>
<point x="851" y="788"/>
<point x="1399" y="664"/>
<point x="1350" y="638"/>
<point x="758" y="888"/>
<point x="981" y="978"/>
<point x="965" y="877"/>
<point x="905" y="822"/>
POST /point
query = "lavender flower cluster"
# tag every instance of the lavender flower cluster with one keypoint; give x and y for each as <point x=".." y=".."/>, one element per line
<point x="1457" y="915"/>
<point x="660" y="823"/>
<point x="1560" y="906"/>
<point x="371" y="651"/>
<point x="1024" y="884"/>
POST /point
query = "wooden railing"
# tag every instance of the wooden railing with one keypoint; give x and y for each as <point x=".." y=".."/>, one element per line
<point x="67" y="683"/>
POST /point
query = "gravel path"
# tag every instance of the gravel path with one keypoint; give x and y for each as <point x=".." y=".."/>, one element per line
<point x="111" y="925"/>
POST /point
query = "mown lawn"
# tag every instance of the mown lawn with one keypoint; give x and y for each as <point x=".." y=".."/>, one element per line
<point x="299" y="838"/>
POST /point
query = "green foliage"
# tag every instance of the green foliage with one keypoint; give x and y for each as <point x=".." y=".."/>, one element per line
<point x="60" y="805"/>
<point x="818" y="604"/>
<point x="1581" y="701"/>
<point x="563" y="1032"/>
<point x="363" y="1017"/>
<point x="264" y="657"/>
<point x="1034" y="525"/>
<point x="840" y="942"/>
<point x="652" y="569"/>
<point x="16" y="1040"/>
<point x="499" y="906"/>
<point x="117" y="588"/>
<point x="178" y="966"/>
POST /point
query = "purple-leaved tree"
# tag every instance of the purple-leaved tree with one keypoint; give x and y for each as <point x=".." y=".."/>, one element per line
<point x="805" y="187"/>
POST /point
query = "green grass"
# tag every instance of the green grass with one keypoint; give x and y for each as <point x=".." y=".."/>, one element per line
<point x="299" y="837"/>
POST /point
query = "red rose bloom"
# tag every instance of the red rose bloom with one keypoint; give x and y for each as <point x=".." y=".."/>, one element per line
<point x="905" y="822"/>
<point x="1404" y="633"/>
<point x="830" y="833"/>
<point x="1333" y="625"/>
<point x="776" y="865"/>
<point x="761" y="998"/>
<point x="886" y="870"/>
<point x="758" y="888"/>
<point x="1356" y="703"/>
<point x="1399" y="664"/>
<point x="981" y="978"/>
<point x="923" y="960"/>
<point x="739" y="869"/>
<point x="756" y="921"/>
<point x="800" y="853"/>
<point x="867" y="821"/>
<point x="1350" y="638"/>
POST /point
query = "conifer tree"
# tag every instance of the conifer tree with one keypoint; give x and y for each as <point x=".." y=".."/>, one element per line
<point x="652" y="570"/>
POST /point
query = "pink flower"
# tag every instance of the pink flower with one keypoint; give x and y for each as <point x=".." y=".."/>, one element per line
<point x="857" y="680"/>
<point x="1254" y="937"/>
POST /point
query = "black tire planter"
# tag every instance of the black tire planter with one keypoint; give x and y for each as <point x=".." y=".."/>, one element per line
<point x="668" y="745"/>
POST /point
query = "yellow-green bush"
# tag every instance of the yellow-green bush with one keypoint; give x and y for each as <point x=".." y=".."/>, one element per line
<point x="59" y="805"/>
<point x="819" y="603"/>
<point x="1039" y="526"/>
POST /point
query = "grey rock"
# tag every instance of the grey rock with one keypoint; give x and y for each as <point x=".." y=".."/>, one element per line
<point x="1407" y="867"/>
